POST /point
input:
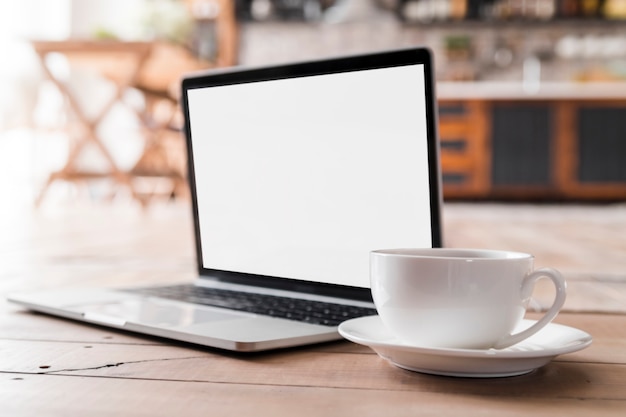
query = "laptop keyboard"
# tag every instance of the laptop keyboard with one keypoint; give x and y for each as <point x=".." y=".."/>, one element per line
<point x="315" y="312"/>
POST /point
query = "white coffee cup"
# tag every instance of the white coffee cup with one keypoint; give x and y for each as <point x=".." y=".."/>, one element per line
<point x="458" y="298"/>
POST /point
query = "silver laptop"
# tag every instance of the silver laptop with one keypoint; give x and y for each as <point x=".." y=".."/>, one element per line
<point x="296" y="172"/>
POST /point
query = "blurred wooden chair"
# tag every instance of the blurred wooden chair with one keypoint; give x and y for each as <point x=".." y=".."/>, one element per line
<point x="159" y="81"/>
<point x="121" y="62"/>
<point x="154" y="69"/>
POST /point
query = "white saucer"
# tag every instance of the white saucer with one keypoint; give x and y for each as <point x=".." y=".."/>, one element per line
<point x="524" y="357"/>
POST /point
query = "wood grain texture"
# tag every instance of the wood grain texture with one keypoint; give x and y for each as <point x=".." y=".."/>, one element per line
<point x="55" y="367"/>
<point x="325" y="373"/>
<point x="59" y="395"/>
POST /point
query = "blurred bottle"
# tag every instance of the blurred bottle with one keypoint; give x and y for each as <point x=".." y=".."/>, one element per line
<point x="474" y="9"/>
<point x="614" y="9"/>
<point x="569" y="8"/>
<point x="458" y="9"/>
<point x="590" y="8"/>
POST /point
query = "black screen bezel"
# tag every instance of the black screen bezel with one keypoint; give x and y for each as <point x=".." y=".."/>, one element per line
<point x="378" y="60"/>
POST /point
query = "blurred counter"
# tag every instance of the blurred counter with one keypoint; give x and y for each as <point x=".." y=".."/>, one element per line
<point x="531" y="90"/>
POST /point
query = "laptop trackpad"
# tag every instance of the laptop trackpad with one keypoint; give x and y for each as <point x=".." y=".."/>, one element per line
<point x="155" y="313"/>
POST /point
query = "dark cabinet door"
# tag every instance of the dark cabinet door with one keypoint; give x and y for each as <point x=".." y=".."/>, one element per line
<point x="601" y="145"/>
<point x="521" y="145"/>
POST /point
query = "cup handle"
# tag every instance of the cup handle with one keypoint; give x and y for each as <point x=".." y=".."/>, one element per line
<point x="527" y="288"/>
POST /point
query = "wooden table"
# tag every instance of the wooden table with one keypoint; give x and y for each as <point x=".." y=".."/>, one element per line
<point x="54" y="367"/>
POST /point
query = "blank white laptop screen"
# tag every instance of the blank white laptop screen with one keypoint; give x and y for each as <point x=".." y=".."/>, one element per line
<point x="301" y="178"/>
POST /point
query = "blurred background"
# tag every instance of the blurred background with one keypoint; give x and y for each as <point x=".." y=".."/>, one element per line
<point x="88" y="101"/>
<point x="532" y="98"/>
<point x="89" y="87"/>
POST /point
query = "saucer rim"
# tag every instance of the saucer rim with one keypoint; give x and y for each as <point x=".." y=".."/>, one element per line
<point x="582" y="341"/>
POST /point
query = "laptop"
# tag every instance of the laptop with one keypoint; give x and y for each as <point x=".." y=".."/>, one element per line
<point x="297" y="171"/>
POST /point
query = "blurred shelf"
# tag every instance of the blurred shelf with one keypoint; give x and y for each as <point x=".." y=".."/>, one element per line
<point x="549" y="24"/>
<point x="539" y="91"/>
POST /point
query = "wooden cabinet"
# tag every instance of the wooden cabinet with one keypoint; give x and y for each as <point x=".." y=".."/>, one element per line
<point x="465" y="148"/>
<point x="555" y="148"/>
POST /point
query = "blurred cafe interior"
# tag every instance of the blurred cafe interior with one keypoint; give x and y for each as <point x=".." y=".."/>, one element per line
<point x="532" y="97"/>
